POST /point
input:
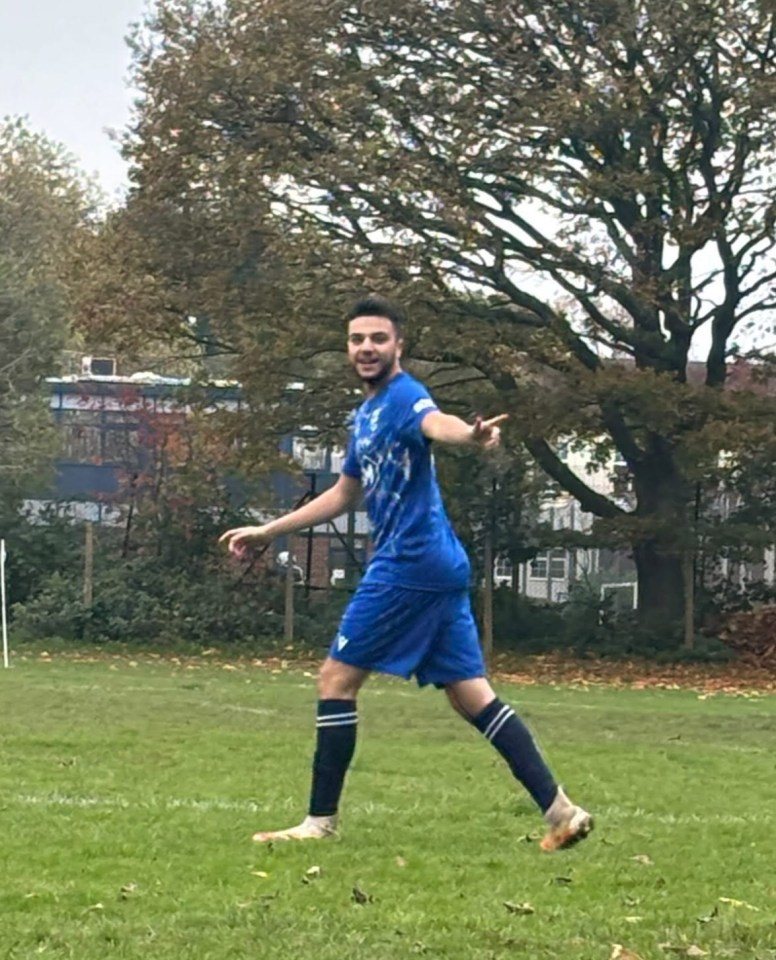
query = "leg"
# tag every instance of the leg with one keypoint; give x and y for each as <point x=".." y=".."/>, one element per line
<point x="455" y="663"/>
<point x="498" y="722"/>
<point x="338" y="687"/>
<point x="476" y="701"/>
<point x="336" y="724"/>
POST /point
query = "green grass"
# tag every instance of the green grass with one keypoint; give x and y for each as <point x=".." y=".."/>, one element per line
<point x="128" y="795"/>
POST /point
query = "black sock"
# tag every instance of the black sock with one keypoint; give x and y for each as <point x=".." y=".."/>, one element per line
<point x="336" y="741"/>
<point x="510" y="736"/>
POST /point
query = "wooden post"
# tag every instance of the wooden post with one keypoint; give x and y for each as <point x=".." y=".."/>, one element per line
<point x="89" y="564"/>
<point x="688" y="571"/>
<point x="308" y="572"/>
<point x="351" y="572"/>
<point x="288" y="621"/>
<point x="487" y="599"/>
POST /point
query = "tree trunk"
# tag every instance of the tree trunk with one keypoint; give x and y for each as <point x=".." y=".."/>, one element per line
<point x="661" y="589"/>
<point x="663" y="499"/>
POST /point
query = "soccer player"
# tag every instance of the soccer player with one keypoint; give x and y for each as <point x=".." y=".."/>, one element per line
<point x="411" y="613"/>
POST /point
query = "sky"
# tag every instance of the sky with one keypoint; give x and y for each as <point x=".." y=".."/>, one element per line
<point x="63" y="65"/>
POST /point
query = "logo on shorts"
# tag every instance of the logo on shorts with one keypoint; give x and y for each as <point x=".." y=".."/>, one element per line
<point x="342" y="641"/>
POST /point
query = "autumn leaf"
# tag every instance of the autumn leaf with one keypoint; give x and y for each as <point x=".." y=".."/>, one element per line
<point x="312" y="873"/>
<point x="738" y="903"/>
<point x="619" y="952"/>
<point x="643" y="859"/>
<point x="519" y="909"/>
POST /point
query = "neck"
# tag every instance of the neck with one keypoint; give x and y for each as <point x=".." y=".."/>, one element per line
<point x="370" y="389"/>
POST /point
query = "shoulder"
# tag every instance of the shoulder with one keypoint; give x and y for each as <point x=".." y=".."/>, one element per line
<point x="413" y="402"/>
<point x="410" y="390"/>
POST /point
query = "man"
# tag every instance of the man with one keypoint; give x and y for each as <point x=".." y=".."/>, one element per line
<point x="411" y="613"/>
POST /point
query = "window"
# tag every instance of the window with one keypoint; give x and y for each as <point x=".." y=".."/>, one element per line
<point x="502" y="571"/>
<point x="309" y="454"/>
<point x="81" y="436"/>
<point x="337" y="459"/>
<point x="558" y="563"/>
<point x="121" y="444"/>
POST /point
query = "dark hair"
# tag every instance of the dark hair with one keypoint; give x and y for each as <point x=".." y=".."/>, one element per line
<point x="374" y="305"/>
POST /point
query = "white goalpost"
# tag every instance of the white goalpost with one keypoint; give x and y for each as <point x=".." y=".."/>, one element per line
<point x="6" y="662"/>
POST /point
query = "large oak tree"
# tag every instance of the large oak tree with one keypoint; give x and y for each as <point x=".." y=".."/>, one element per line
<point x="574" y="198"/>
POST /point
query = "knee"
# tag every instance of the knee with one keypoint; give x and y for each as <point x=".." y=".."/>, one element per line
<point x="455" y="703"/>
<point x="339" y="681"/>
<point x="470" y="697"/>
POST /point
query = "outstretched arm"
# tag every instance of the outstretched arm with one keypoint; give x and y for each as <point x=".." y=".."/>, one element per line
<point x="447" y="428"/>
<point x="330" y="504"/>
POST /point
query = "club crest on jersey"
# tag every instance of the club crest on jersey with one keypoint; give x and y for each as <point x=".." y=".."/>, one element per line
<point x="374" y="419"/>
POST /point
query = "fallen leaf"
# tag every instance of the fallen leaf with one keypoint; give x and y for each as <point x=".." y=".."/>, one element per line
<point x="312" y="873"/>
<point x="738" y="903"/>
<point x="259" y="873"/>
<point x="619" y="952"/>
<point x="643" y="859"/>
<point x="530" y="837"/>
<point x="361" y="897"/>
<point x="520" y="909"/>
<point x="695" y="951"/>
<point x="561" y="881"/>
<point x="633" y="919"/>
<point x="401" y="862"/>
<point x="708" y="917"/>
<point x="127" y="890"/>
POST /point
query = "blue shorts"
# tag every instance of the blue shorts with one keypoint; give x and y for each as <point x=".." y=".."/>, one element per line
<point x="405" y="632"/>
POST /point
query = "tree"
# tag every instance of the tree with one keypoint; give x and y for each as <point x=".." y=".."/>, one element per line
<point x="44" y="203"/>
<point x="569" y="195"/>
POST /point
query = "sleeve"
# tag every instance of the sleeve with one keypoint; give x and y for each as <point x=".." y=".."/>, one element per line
<point x="419" y="404"/>
<point x="350" y="464"/>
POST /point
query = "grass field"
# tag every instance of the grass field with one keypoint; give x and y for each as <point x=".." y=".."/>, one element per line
<point x="128" y="794"/>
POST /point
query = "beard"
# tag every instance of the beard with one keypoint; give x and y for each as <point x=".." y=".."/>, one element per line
<point x="376" y="373"/>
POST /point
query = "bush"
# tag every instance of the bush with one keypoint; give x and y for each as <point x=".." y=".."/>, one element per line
<point x="523" y="625"/>
<point x="752" y="634"/>
<point x="587" y="626"/>
<point x="139" y="601"/>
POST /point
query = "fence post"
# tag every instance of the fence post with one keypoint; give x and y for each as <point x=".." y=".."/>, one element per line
<point x="288" y="620"/>
<point x="89" y="564"/>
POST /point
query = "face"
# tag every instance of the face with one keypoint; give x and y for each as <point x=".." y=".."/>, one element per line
<point x="374" y="350"/>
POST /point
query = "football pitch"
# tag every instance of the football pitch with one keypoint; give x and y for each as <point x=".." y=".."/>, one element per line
<point x="129" y="791"/>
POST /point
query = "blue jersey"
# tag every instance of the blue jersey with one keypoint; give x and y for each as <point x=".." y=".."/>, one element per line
<point x="415" y="545"/>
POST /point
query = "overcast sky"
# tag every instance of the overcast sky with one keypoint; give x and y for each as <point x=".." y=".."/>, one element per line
<point x="63" y="64"/>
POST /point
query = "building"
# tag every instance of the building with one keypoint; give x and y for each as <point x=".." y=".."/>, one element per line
<point x="116" y="428"/>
